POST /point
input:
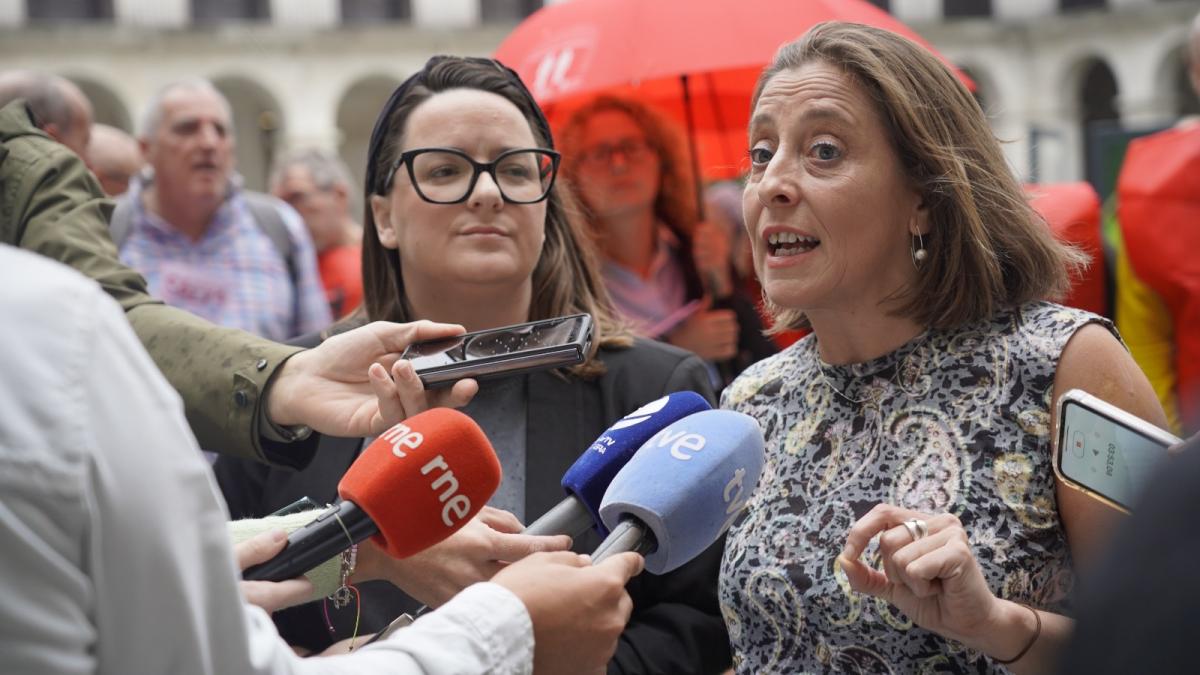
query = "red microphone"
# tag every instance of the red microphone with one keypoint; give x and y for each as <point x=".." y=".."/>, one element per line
<point x="412" y="487"/>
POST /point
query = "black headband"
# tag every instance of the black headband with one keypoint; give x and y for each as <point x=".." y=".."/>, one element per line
<point x="380" y="131"/>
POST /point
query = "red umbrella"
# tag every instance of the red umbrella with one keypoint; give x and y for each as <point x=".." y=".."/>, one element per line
<point x="697" y="60"/>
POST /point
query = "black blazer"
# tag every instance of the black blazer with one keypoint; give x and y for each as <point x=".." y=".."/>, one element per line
<point x="676" y="625"/>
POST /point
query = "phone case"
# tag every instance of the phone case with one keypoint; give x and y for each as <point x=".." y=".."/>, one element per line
<point x="500" y="352"/>
<point x="1112" y="412"/>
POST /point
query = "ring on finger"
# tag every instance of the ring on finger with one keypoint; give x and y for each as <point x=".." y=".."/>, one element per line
<point x="917" y="528"/>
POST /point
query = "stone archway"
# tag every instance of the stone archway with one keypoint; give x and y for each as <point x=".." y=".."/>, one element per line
<point x="356" y="112"/>
<point x="258" y="122"/>
<point x="1099" y="122"/>
<point x="1174" y="83"/>
<point x="985" y="88"/>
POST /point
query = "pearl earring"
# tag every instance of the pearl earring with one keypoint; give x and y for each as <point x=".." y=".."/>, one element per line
<point x="917" y="249"/>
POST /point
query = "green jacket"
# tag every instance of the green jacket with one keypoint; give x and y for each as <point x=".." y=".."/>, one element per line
<point x="51" y="204"/>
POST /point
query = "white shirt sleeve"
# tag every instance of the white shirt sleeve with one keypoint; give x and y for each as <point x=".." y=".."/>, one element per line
<point x="483" y="629"/>
<point x="114" y="556"/>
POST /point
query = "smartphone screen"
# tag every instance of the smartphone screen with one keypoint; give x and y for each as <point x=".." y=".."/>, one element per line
<point x="1105" y="456"/>
<point x="484" y="344"/>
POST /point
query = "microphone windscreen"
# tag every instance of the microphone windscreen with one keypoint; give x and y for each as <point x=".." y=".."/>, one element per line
<point x="423" y="479"/>
<point x="590" y="475"/>
<point x="688" y="483"/>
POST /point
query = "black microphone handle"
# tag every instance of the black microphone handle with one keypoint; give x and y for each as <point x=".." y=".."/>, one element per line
<point x="568" y="517"/>
<point x="315" y="543"/>
<point x="630" y="534"/>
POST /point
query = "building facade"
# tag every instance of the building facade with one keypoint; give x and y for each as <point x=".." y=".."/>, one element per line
<point x="1063" y="81"/>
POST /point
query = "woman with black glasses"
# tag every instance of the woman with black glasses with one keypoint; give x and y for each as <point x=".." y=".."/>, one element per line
<point x="464" y="224"/>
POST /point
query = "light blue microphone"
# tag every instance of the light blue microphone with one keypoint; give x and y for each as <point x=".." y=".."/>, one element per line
<point x="588" y="478"/>
<point x="682" y="489"/>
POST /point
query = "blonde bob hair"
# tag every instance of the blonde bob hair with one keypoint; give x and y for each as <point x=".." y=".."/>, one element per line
<point x="987" y="248"/>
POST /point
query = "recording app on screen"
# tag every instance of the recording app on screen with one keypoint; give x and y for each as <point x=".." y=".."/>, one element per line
<point x="1105" y="457"/>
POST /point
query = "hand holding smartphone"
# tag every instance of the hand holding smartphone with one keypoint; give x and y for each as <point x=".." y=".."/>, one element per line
<point x="500" y="352"/>
<point x="1104" y="451"/>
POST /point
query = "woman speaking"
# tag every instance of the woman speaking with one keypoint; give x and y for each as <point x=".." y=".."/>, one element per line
<point x="883" y="215"/>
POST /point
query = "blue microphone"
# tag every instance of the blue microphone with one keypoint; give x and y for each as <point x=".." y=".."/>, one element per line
<point x="587" y="480"/>
<point x="683" y="489"/>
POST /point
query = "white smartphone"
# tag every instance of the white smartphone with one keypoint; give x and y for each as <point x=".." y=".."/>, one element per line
<point x="1105" y="451"/>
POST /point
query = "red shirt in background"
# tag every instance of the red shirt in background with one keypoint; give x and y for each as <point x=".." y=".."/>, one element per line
<point x="341" y="275"/>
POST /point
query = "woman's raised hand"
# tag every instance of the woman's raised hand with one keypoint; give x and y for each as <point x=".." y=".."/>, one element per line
<point x="929" y="571"/>
<point x="483" y="546"/>
<point x="930" y="574"/>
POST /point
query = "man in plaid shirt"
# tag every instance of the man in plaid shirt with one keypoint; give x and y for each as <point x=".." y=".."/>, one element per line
<point x="203" y="243"/>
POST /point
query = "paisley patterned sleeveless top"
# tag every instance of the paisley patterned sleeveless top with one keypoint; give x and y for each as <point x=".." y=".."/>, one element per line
<point x="954" y="421"/>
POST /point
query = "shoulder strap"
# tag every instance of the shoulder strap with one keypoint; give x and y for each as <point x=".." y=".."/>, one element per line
<point x="122" y="221"/>
<point x="268" y="218"/>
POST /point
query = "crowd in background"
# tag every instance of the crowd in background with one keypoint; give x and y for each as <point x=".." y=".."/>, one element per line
<point x="895" y="379"/>
<point x="696" y="288"/>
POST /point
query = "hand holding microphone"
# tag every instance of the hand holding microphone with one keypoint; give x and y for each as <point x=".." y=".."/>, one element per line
<point x="683" y="489"/>
<point x="270" y="595"/>
<point x="578" y="611"/>
<point x="476" y="552"/>
<point x="417" y="484"/>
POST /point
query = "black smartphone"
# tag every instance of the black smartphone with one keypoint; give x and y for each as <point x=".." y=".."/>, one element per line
<point x="499" y="352"/>
<point x="302" y="504"/>
<point x="1104" y="451"/>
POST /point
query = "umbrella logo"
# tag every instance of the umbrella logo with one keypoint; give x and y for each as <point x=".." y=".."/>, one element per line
<point x="559" y="68"/>
<point x="551" y="74"/>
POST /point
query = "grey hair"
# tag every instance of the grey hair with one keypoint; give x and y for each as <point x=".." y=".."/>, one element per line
<point x="152" y="114"/>
<point x="326" y="168"/>
<point x="42" y="93"/>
